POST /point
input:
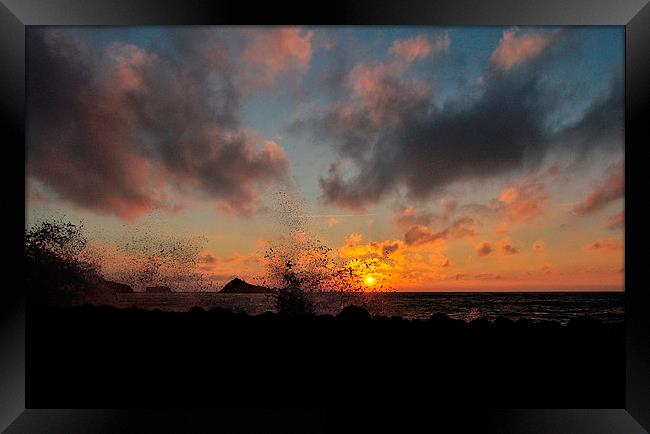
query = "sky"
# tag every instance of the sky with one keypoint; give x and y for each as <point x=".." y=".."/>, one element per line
<point x="451" y="159"/>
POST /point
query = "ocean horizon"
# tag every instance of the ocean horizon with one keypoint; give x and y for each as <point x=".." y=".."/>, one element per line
<point x="560" y="306"/>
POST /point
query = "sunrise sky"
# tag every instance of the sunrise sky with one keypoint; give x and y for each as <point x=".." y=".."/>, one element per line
<point x="485" y="158"/>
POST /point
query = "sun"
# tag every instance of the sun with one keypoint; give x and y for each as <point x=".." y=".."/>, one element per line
<point x="369" y="281"/>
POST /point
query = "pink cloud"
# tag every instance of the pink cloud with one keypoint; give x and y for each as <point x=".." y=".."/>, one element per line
<point x="516" y="47"/>
<point x="278" y="51"/>
<point x="379" y="90"/>
<point x="608" y="190"/>
<point x="123" y="130"/>
<point x="617" y="221"/>
<point x="419" y="47"/>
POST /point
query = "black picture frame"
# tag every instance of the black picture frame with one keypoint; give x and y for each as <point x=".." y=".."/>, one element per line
<point x="15" y="15"/>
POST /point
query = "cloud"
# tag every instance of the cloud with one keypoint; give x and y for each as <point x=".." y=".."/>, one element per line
<point x="617" y="221"/>
<point x="603" y="124"/>
<point x="407" y="265"/>
<point x="352" y="247"/>
<point x="116" y="131"/>
<point x="605" y="246"/>
<point x="378" y="89"/>
<point x="407" y="216"/>
<point x="516" y="47"/>
<point x="273" y="52"/>
<point x="523" y="202"/>
<point x="505" y="246"/>
<point x="611" y="188"/>
<point x="226" y="267"/>
<point x="391" y="138"/>
<point x="207" y="258"/>
<point x="539" y="246"/>
<point x="509" y="249"/>
<point x="419" y="47"/>
<point x="332" y="222"/>
<point x="461" y="227"/>
<point x="418" y="235"/>
<point x="484" y="248"/>
<point x="519" y="202"/>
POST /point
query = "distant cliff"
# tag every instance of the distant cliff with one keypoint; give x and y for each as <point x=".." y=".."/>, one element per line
<point x="158" y="290"/>
<point x="118" y="288"/>
<point x="238" y="286"/>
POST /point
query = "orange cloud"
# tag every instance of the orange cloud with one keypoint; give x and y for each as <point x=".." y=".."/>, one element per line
<point x="523" y="202"/>
<point x="605" y="246"/>
<point x="408" y="265"/>
<point x="539" y="246"/>
<point x="610" y="189"/>
<point x="226" y="267"/>
<point x="484" y="248"/>
<point x="515" y="47"/>
<point x="418" y="235"/>
<point x="509" y="249"/>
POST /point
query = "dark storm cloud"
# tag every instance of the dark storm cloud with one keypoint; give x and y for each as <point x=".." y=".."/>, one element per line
<point x="390" y="135"/>
<point x="113" y="130"/>
<point x="603" y="122"/>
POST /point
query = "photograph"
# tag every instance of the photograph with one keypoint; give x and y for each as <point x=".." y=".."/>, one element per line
<point x="424" y="216"/>
<point x="366" y="193"/>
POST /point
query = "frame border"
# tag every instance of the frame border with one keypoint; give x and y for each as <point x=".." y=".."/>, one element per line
<point x="633" y="14"/>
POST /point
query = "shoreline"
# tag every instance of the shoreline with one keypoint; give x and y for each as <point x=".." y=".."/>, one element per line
<point x="218" y="357"/>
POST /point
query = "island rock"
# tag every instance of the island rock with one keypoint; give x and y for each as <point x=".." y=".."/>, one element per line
<point x="239" y="286"/>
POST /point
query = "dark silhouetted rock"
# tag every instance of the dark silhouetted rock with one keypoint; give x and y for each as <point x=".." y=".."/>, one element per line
<point x="239" y="286"/>
<point x="480" y="325"/>
<point x="158" y="290"/>
<point x="196" y="310"/>
<point x="118" y="288"/>
<point x="503" y="323"/>
<point x="585" y="326"/>
<point x="354" y="313"/>
<point x="439" y="318"/>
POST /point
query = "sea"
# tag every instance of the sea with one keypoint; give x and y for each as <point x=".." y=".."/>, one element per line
<point x="607" y="307"/>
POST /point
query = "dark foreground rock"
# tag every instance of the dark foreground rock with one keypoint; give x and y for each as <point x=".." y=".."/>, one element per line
<point x="104" y="357"/>
<point x="239" y="286"/>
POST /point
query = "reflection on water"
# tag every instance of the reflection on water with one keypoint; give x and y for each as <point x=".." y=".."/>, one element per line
<point x="607" y="307"/>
